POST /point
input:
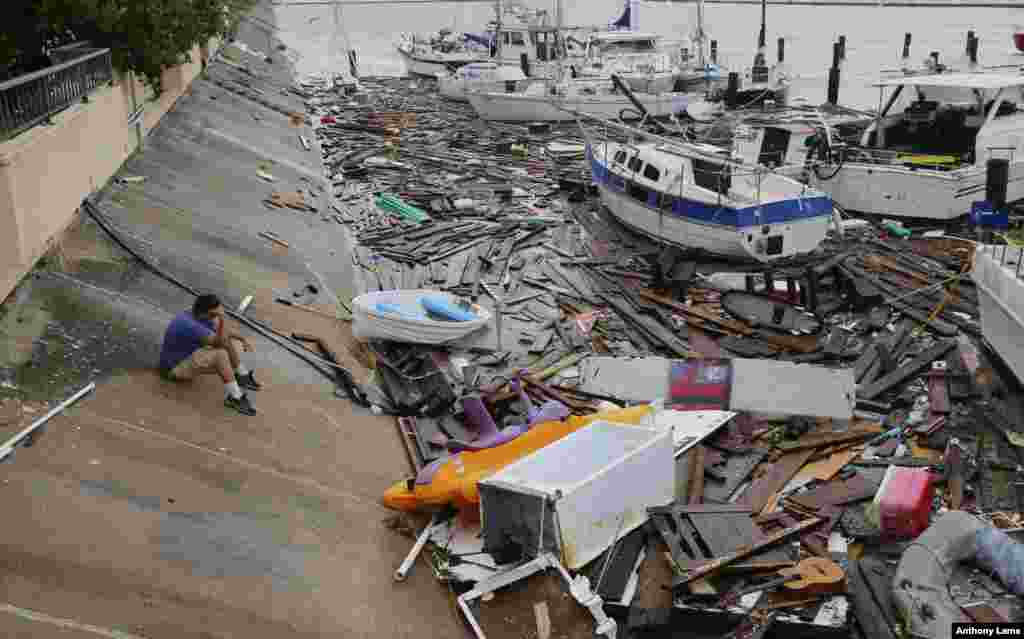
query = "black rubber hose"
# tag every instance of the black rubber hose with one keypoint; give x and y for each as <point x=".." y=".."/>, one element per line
<point x="334" y="372"/>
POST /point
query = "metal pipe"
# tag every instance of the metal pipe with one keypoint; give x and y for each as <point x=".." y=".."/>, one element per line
<point x="8" y="447"/>
<point x="417" y="548"/>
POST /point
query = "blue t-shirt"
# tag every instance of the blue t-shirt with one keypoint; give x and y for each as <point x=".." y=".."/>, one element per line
<point x="183" y="337"/>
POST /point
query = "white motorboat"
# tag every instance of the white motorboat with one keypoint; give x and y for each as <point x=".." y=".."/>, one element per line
<point x="489" y="77"/>
<point x="428" y="56"/>
<point x="925" y="155"/>
<point x="790" y="140"/>
<point x="633" y="56"/>
<point x="698" y="197"/>
<point x="998" y="273"/>
<point x="556" y="102"/>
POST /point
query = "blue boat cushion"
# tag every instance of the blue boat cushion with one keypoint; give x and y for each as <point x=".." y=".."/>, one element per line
<point x="442" y="308"/>
<point x="396" y="309"/>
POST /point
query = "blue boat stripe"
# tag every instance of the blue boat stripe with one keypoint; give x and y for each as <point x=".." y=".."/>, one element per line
<point x="769" y="213"/>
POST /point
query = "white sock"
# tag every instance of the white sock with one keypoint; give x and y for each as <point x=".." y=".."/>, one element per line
<point x="241" y="370"/>
<point x="233" y="390"/>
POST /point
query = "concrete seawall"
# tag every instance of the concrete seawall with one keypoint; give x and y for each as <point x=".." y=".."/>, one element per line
<point x="150" y="510"/>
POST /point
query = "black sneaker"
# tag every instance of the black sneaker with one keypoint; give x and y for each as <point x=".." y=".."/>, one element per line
<point x="248" y="381"/>
<point x="242" y="405"/>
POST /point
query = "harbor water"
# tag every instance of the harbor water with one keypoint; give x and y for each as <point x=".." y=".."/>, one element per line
<point x="874" y="35"/>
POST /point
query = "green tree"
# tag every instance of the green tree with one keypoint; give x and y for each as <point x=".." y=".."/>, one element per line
<point x="144" y="36"/>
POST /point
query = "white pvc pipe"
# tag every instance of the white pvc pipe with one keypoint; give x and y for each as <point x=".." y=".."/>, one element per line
<point x="9" y="445"/>
<point x="410" y="559"/>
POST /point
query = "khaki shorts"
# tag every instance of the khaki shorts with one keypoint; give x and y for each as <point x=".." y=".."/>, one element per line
<point x="200" y="362"/>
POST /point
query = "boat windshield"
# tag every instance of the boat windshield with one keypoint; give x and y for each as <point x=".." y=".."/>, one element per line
<point x="622" y="47"/>
<point x="936" y="127"/>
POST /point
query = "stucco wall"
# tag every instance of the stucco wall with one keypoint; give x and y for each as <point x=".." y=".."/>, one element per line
<point x="47" y="171"/>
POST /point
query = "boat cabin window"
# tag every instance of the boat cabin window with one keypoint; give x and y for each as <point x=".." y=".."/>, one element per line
<point x="515" y="38"/>
<point x="713" y="176"/>
<point x="634" y="164"/>
<point x="623" y="47"/>
<point x="620" y="157"/>
<point x="637" y="192"/>
<point x="652" y="173"/>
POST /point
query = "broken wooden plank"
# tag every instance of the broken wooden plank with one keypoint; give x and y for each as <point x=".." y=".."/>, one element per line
<point x="695" y="487"/>
<point x="904" y="373"/>
<point x="938" y="390"/>
<point x="835" y="493"/>
<point x="818" y="440"/>
<point x="720" y="563"/>
<point x="731" y="325"/>
<point x="778" y="475"/>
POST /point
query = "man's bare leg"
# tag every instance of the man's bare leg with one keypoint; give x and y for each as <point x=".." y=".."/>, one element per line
<point x="225" y="367"/>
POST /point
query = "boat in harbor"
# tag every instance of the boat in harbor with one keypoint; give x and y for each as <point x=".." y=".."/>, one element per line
<point x="429" y="55"/>
<point x="488" y="77"/>
<point x="634" y="56"/>
<point x="556" y="101"/>
<point x="925" y="154"/>
<point x="790" y="140"/>
<point x="698" y="197"/>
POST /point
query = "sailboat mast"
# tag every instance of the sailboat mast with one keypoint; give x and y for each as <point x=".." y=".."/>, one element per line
<point x="700" y="33"/>
<point x="761" y="36"/>
<point x="497" y="29"/>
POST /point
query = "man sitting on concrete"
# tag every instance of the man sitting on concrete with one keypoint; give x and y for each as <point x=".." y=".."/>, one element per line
<point x="198" y="343"/>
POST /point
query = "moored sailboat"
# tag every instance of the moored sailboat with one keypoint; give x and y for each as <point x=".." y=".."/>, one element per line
<point x="699" y="197"/>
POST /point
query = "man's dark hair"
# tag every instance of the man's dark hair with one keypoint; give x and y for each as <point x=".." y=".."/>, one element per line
<point x="204" y="304"/>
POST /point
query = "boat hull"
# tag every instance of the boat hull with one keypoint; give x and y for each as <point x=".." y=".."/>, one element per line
<point x="430" y="68"/>
<point x="531" y="108"/>
<point x="1001" y="303"/>
<point x="895" y="191"/>
<point x="800" y="236"/>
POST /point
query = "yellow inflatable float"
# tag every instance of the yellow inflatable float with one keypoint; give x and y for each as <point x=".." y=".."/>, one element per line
<point x="452" y="480"/>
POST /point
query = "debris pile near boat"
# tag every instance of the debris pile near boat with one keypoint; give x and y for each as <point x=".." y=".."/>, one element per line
<point x="674" y="442"/>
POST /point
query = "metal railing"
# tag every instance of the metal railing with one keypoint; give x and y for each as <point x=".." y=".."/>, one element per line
<point x="33" y="98"/>
<point x="888" y="157"/>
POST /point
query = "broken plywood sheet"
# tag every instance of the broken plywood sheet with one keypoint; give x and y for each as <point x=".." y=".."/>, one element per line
<point x="784" y="388"/>
<point x="826" y="469"/>
<point x="640" y="379"/>
<point x="761" y="386"/>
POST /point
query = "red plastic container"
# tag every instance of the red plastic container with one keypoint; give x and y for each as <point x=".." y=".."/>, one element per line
<point x="906" y="504"/>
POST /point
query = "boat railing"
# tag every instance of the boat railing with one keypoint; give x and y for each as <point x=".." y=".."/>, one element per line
<point x="907" y="159"/>
<point x="1009" y="257"/>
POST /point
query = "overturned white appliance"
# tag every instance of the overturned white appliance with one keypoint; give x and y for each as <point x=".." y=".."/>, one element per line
<point x="577" y="496"/>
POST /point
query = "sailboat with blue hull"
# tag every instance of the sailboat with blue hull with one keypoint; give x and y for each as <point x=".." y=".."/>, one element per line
<point x="697" y="197"/>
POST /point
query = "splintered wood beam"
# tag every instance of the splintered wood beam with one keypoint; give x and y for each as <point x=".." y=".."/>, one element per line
<point x="717" y="564"/>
